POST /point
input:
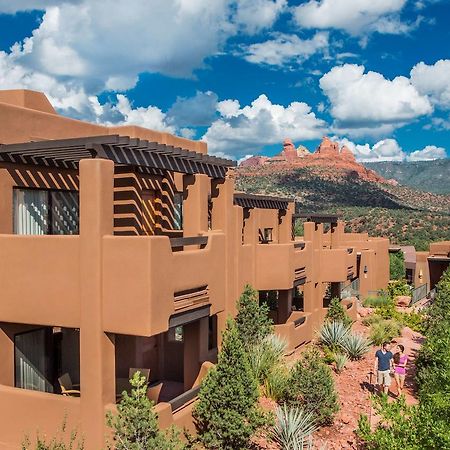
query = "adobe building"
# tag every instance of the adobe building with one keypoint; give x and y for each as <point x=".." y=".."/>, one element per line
<point x="123" y="248"/>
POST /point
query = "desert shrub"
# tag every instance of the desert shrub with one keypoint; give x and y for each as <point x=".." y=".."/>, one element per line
<point x="276" y="383"/>
<point x="397" y="270"/>
<point x="372" y="319"/>
<point x="328" y="354"/>
<point x="311" y="385"/>
<point x="414" y="320"/>
<point x="135" y="426"/>
<point x="398" y="287"/>
<point x="252" y="320"/>
<point x="385" y="330"/>
<point x="340" y="361"/>
<point x="337" y="313"/>
<point x="227" y="414"/>
<point x="355" y="345"/>
<point x="266" y="356"/>
<point x="293" y="427"/>
<point x="333" y="333"/>
<point x="60" y="442"/>
<point x="421" y="427"/>
<point x="378" y="301"/>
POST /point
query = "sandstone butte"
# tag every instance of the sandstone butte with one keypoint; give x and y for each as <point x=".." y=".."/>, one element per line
<point x="329" y="160"/>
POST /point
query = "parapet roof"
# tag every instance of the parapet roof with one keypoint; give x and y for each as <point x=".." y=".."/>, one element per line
<point x="148" y="157"/>
<point x="261" y="201"/>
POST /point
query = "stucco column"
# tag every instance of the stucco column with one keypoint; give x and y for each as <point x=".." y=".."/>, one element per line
<point x="96" y="348"/>
<point x="314" y="232"/>
<point x="6" y="202"/>
<point x="285" y="225"/>
<point x="195" y="335"/>
<point x="284" y="305"/>
<point x="337" y="234"/>
<point x="195" y="205"/>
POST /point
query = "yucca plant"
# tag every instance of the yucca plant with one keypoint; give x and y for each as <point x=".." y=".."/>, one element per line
<point x="340" y="360"/>
<point x="266" y="355"/>
<point x="355" y="345"/>
<point x="333" y="333"/>
<point x="293" y="427"/>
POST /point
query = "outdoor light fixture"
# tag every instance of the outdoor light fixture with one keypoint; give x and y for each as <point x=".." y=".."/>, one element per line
<point x="420" y="274"/>
<point x="365" y="271"/>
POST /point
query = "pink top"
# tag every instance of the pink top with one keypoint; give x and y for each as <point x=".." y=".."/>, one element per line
<point x="402" y="362"/>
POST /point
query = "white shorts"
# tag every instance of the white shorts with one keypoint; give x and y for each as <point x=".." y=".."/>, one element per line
<point x="384" y="377"/>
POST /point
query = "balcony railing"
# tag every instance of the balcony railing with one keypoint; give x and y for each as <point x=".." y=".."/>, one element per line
<point x="186" y="397"/>
<point x="179" y="243"/>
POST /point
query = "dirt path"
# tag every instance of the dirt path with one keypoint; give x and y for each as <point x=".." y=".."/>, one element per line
<point x="355" y="385"/>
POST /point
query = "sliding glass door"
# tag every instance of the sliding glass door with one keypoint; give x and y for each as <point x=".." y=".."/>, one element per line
<point x="38" y="211"/>
<point x="33" y="360"/>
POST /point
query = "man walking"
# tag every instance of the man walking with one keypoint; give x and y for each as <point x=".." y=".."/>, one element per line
<point x="383" y="365"/>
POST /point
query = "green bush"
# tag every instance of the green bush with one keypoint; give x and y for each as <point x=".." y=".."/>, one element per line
<point x="397" y="270"/>
<point x="135" y="426"/>
<point x="227" y="413"/>
<point x="355" y="345"/>
<point x="293" y="427"/>
<point x="276" y="383"/>
<point x="398" y="287"/>
<point x="337" y="313"/>
<point x="252" y="320"/>
<point x="311" y="385"/>
<point x="376" y="302"/>
<point x="385" y="330"/>
<point x="414" y="320"/>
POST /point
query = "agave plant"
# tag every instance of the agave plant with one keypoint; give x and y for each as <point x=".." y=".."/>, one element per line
<point x="293" y="428"/>
<point x="340" y="360"/>
<point x="265" y="356"/>
<point x="355" y="345"/>
<point x="333" y="333"/>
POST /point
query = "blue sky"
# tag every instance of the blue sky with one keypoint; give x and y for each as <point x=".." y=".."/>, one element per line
<point x="243" y="74"/>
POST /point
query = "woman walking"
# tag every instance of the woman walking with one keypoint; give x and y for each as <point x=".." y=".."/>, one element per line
<point x="400" y="360"/>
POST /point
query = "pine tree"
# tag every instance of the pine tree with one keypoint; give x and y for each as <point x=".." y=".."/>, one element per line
<point x="252" y="320"/>
<point x="135" y="426"/>
<point x="227" y="413"/>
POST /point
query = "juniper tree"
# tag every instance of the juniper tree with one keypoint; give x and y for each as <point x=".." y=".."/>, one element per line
<point x="135" y="426"/>
<point x="227" y="413"/>
<point x="252" y="320"/>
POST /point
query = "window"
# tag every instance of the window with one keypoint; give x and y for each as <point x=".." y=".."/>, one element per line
<point x="176" y="334"/>
<point x="44" y="354"/>
<point x="38" y="211"/>
<point x="178" y="211"/>
<point x="212" y="332"/>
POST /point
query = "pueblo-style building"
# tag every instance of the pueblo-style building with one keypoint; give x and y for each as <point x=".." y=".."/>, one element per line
<point x="123" y="248"/>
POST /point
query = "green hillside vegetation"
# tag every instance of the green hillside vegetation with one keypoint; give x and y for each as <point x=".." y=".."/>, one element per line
<point x="406" y="216"/>
<point x="429" y="176"/>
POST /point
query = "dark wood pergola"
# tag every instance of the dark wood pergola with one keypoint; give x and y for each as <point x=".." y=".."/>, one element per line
<point x="318" y="218"/>
<point x="261" y="201"/>
<point x="148" y="157"/>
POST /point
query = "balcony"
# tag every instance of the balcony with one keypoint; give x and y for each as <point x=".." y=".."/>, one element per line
<point x="333" y="265"/>
<point x="296" y="331"/>
<point x="148" y="279"/>
<point x="39" y="279"/>
<point x="302" y="262"/>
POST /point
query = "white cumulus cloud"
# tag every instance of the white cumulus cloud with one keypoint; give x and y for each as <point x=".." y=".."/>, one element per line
<point x="390" y="150"/>
<point x="243" y="130"/>
<point x="286" y="48"/>
<point x="356" y="17"/>
<point x="384" y="150"/>
<point x="434" y="81"/>
<point x="369" y="100"/>
<point x="430" y="152"/>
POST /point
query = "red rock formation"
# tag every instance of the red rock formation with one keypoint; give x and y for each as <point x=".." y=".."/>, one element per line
<point x="333" y="162"/>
